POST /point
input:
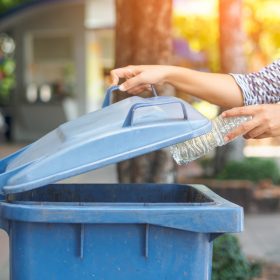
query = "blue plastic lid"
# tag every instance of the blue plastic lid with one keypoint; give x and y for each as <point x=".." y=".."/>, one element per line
<point x="117" y="132"/>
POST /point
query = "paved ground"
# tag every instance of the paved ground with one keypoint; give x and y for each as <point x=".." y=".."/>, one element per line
<point x="260" y="238"/>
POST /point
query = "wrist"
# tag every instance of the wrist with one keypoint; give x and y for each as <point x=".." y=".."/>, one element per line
<point x="168" y="74"/>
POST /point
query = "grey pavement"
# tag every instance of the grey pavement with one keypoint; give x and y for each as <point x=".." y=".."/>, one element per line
<point x="260" y="238"/>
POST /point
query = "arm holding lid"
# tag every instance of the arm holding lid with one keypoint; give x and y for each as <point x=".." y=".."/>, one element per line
<point x="224" y="90"/>
<point x="220" y="89"/>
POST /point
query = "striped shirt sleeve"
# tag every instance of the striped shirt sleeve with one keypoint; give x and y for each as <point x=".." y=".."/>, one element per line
<point x="260" y="87"/>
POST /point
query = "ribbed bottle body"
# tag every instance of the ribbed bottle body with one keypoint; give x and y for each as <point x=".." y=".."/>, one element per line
<point x="199" y="146"/>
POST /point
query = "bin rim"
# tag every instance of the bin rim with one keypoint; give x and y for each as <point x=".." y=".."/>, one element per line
<point x="220" y="217"/>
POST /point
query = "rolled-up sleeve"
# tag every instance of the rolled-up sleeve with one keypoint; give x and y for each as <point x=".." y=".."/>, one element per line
<point x="260" y="87"/>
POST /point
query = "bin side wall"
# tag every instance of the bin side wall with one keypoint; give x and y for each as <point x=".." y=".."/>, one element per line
<point x="107" y="251"/>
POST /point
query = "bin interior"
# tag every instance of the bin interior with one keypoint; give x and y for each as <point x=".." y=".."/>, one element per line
<point x="113" y="193"/>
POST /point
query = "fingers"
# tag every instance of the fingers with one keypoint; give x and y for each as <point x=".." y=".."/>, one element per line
<point x="115" y="78"/>
<point x="241" y="111"/>
<point x="265" y="121"/>
<point x="125" y="72"/>
<point x="264" y="135"/>
<point x="254" y="133"/>
<point x="139" y="89"/>
<point x="241" y="130"/>
<point x="138" y="77"/>
<point x="246" y="127"/>
<point x="132" y="83"/>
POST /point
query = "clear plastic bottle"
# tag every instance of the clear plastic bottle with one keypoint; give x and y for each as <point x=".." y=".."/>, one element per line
<point x="199" y="146"/>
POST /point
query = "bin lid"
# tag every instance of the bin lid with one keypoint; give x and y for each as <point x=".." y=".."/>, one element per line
<point x="123" y="130"/>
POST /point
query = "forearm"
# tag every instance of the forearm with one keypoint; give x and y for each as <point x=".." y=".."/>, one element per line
<point x="232" y="90"/>
<point x="219" y="89"/>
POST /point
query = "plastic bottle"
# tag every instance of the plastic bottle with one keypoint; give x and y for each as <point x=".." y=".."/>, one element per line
<point x="199" y="146"/>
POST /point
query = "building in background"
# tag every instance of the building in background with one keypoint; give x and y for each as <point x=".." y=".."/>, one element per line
<point x="63" y="50"/>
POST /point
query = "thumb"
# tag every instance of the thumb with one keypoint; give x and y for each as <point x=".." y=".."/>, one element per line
<point x="114" y="79"/>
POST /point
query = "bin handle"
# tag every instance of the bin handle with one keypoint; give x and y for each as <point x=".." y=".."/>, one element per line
<point x="130" y="116"/>
<point x="110" y="90"/>
<point x="107" y="99"/>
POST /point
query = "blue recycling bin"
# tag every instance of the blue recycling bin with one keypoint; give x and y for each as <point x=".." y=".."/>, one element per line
<point x="110" y="231"/>
<point x="116" y="231"/>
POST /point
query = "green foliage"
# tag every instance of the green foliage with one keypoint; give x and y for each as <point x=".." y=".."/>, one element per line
<point x="229" y="263"/>
<point x="261" y="26"/>
<point x="8" y="4"/>
<point x="201" y="39"/>
<point x="7" y="78"/>
<point x="254" y="169"/>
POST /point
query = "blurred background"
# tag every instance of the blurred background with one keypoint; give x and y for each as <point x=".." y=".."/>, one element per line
<point x="55" y="62"/>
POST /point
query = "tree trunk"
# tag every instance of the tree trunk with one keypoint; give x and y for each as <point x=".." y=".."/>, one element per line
<point x="231" y="36"/>
<point x="143" y="36"/>
<point x="232" y="61"/>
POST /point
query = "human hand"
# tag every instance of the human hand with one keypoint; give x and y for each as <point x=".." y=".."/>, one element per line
<point x="265" y="121"/>
<point x="139" y="78"/>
